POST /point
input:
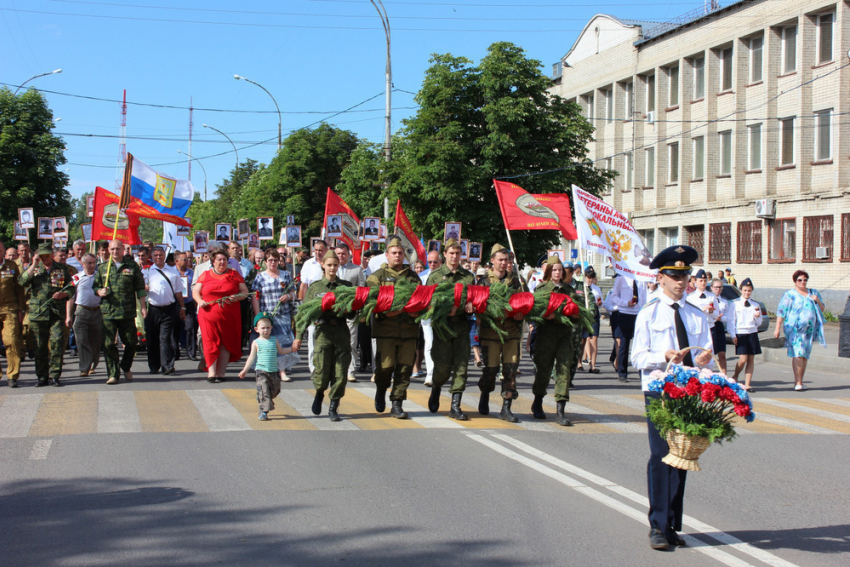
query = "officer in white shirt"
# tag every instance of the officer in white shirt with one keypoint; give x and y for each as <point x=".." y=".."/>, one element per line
<point x="705" y="300"/>
<point x="663" y="328"/>
<point x="311" y="271"/>
<point x="354" y="275"/>
<point x="724" y="323"/>
<point x="435" y="262"/>
<point x="88" y="321"/>
<point x="628" y="296"/>
<point x="165" y="296"/>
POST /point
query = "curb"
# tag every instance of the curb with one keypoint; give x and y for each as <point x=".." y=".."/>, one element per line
<point x="819" y="362"/>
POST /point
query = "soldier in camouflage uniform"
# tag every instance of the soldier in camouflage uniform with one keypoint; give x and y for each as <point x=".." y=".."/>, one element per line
<point x="12" y="303"/>
<point x="24" y="261"/>
<point x="452" y="353"/>
<point x="493" y="350"/>
<point x="395" y="334"/>
<point x="46" y="280"/>
<point x="118" y="305"/>
<point x="331" y="342"/>
<point x="555" y="346"/>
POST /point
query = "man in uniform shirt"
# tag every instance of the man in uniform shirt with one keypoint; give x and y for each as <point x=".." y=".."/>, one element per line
<point x="354" y="275"/>
<point x="87" y="320"/>
<point x="189" y="329"/>
<point x="663" y="329"/>
<point x="165" y="296"/>
<point x="395" y="333"/>
<point x="47" y="280"/>
<point x="453" y="351"/>
<point x="24" y="260"/>
<point x="12" y="303"/>
<point x="118" y="293"/>
<point x="435" y="261"/>
<point x="311" y="272"/>
<point x="628" y="296"/>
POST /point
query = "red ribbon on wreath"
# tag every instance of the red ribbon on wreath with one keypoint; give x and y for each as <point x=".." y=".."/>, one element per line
<point x="328" y="301"/>
<point x="386" y="294"/>
<point x="555" y="301"/>
<point x="420" y="299"/>
<point x="570" y="308"/>
<point x="360" y="297"/>
<point x="522" y="303"/>
<point x="458" y="294"/>
<point x="478" y="296"/>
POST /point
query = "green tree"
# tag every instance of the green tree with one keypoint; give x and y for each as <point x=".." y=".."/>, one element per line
<point x="30" y="157"/>
<point x="361" y="181"/>
<point x="479" y="123"/>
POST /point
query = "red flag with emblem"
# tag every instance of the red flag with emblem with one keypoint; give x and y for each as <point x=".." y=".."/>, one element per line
<point x="107" y="214"/>
<point x="523" y="211"/>
<point x="405" y="232"/>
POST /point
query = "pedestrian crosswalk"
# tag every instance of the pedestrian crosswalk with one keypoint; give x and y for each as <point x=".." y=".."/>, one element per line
<point x="235" y="409"/>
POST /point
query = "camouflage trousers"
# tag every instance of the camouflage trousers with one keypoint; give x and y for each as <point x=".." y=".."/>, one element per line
<point x="268" y="387"/>
<point x="11" y="326"/>
<point x="126" y="329"/>
<point x="49" y="348"/>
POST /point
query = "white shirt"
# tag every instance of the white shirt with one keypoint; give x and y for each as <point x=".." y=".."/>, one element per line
<point x="423" y="275"/>
<point x="727" y="316"/>
<point x="655" y="334"/>
<point x="352" y="273"/>
<point x="702" y="302"/>
<point x="160" y="293"/>
<point x="623" y="292"/>
<point x="76" y="264"/>
<point x="245" y="267"/>
<point x="606" y="303"/>
<point x="83" y="294"/>
<point x="746" y="319"/>
<point x="311" y="271"/>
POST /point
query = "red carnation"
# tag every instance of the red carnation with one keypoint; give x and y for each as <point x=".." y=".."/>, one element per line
<point x="673" y="391"/>
<point x="742" y="409"/>
<point x="693" y="388"/>
<point x="729" y="395"/>
<point x="709" y="392"/>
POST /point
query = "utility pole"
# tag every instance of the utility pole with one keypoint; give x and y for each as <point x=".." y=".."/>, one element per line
<point x="385" y="21"/>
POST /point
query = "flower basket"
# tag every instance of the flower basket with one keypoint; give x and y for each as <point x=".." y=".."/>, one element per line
<point x="695" y="409"/>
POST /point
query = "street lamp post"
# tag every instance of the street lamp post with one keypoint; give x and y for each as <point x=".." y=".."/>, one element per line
<point x="279" y="117"/>
<point x="229" y="140"/>
<point x="34" y="77"/>
<point x="202" y="169"/>
<point x="385" y="21"/>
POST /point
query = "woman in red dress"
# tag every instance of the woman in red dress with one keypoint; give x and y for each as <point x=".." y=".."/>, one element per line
<point x="222" y="338"/>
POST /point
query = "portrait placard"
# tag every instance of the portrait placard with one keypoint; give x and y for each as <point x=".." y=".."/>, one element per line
<point x="371" y="228"/>
<point x="253" y="241"/>
<point x="21" y="233"/>
<point x="561" y="254"/>
<point x="334" y="229"/>
<point x="45" y="228"/>
<point x="90" y="205"/>
<point x="265" y="228"/>
<point x="475" y="251"/>
<point x="435" y="245"/>
<point x="60" y="227"/>
<point x="464" y="249"/>
<point x="223" y="231"/>
<point x="452" y="231"/>
<point x="86" y="232"/>
<point x="201" y="240"/>
<point x="290" y="220"/>
<point x="26" y="218"/>
<point x="183" y="230"/>
<point x="244" y="228"/>
<point x="293" y="236"/>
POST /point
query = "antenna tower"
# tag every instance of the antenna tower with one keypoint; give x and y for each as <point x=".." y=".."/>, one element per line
<point x="122" y="145"/>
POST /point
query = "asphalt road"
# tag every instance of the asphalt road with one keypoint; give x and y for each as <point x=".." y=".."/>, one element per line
<point x="176" y="471"/>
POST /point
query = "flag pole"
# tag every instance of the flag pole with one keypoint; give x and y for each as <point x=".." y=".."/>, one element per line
<point x="583" y="254"/>
<point x="123" y="200"/>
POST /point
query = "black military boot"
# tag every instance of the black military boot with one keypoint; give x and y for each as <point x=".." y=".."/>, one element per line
<point x="397" y="411"/>
<point x="57" y="383"/>
<point x="456" y="412"/>
<point x="484" y="403"/>
<point x="434" y="399"/>
<point x="562" y="419"/>
<point x="506" y="414"/>
<point x="537" y="408"/>
<point x="332" y="411"/>
<point x="317" y="402"/>
<point x="41" y="383"/>
<point x="380" y="400"/>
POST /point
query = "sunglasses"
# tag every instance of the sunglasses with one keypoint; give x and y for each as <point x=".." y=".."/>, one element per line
<point x="802" y="279"/>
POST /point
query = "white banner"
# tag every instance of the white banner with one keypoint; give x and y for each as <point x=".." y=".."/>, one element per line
<point x="169" y="237"/>
<point x="603" y="229"/>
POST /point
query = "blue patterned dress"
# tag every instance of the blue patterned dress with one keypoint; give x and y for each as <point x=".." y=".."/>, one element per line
<point x="271" y="289"/>
<point x="803" y="322"/>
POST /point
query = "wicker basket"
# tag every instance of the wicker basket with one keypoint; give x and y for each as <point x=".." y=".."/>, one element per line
<point x="685" y="451"/>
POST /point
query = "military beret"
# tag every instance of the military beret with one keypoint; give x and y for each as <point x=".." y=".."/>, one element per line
<point x="260" y="316"/>
<point x="44" y="249"/>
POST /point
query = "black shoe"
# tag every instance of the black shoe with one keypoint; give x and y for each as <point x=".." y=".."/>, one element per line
<point x="657" y="540"/>
<point x="456" y="412"/>
<point x="168" y="371"/>
<point x="212" y="380"/>
<point x="537" y="408"/>
<point x="41" y="383"/>
<point x="317" y="402"/>
<point x="57" y="383"/>
<point x="623" y="379"/>
<point x="434" y="399"/>
<point x="506" y="414"/>
<point x="13" y="383"/>
<point x="220" y="379"/>
<point x="332" y="411"/>
<point x="31" y="354"/>
<point x="675" y="539"/>
<point x="397" y="411"/>
<point x="380" y="400"/>
<point x="484" y="403"/>
<point x="562" y="419"/>
<point x="193" y="358"/>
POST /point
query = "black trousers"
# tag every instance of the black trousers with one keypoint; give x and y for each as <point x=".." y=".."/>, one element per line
<point x="665" y="484"/>
<point x="364" y="340"/>
<point x="186" y="335"/>
<point x="625" y="332"/>
<point x="159" y="331"/>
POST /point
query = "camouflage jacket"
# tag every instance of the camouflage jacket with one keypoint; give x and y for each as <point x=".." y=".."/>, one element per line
<point x="402" y="326"/>
<point x="126" y="283"/>
<point x="43" y="283"/>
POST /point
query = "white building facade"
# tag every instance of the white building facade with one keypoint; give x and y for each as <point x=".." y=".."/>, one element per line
<point x="730" y="131"/>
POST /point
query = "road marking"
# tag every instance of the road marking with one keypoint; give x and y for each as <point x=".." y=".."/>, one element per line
<point x="40" y="449"/>
<point x="764" y="415"/>
<point x="834" y="401"/>
<point x="281" y="418"/>
<point x="217" y="411"/>
<point x="17" y="415"/>
<point x="117" y="413"/>
<point x="584" y="419"/>
<point x="805" y="409"/>
<point x="604" y="499"/>
<point x="168" y="411"/>
<point x="302" y="402"/>
<point x="66" y="413"/>
<point x="689" y="521"/>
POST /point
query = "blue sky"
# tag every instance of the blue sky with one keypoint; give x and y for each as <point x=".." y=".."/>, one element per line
<point x="317" y="57"/>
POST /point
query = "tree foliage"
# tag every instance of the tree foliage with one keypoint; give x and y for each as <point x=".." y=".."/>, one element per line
<point x="30" y="157"/>
<point x="361" y="185"/>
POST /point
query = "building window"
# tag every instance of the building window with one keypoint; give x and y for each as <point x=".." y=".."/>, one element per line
<point x="673" y="73"/>
<point x="817" y="239"/>
<point x="699" y="77"/>
<point x="630" y="168"/>
<point x="696" y="239"/>
<point x="629" y="96"/>
<point x="756" y="65"/>
<point x="720" y="242"/>
<point x="823" y="135"/>
<point x="650" y="93"/>
<point x="749" y="242"/>
<point x="726" y="69"/>
<point x="648" y="237"/>
<point x="609" y="105"/>
<point x="754" y="157"/>
<point x="789" y="49"/>
<point x="673" y="163"/>
<point x="845" y="236"/>
<point x="725" y="152"/>
<point x="824" y="22"/>
<point x="588" y="101"/>
<point x="650" y="167"/>
<point x="699" y="158"/>
<point x="671" y="236"/>
<point x="787" y="141"/>
<point x="782" y="239"/>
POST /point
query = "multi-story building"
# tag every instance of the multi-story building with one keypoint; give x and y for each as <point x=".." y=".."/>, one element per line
<point x="727" y="128"/>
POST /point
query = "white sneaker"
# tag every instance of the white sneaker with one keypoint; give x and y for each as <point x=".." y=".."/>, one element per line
<point x="428" y="383"/>
<point x="352" y="378"/>
<point x="800" y="387"/>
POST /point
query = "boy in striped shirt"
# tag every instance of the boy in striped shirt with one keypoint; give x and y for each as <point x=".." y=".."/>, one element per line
<point x="265" y="350"/>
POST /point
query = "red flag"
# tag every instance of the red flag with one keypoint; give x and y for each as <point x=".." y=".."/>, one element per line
<point x="405" y="231"/>
<point x="106" y="214"/>
<point x="334" y="205"/>
<point x="523" y="211"/>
